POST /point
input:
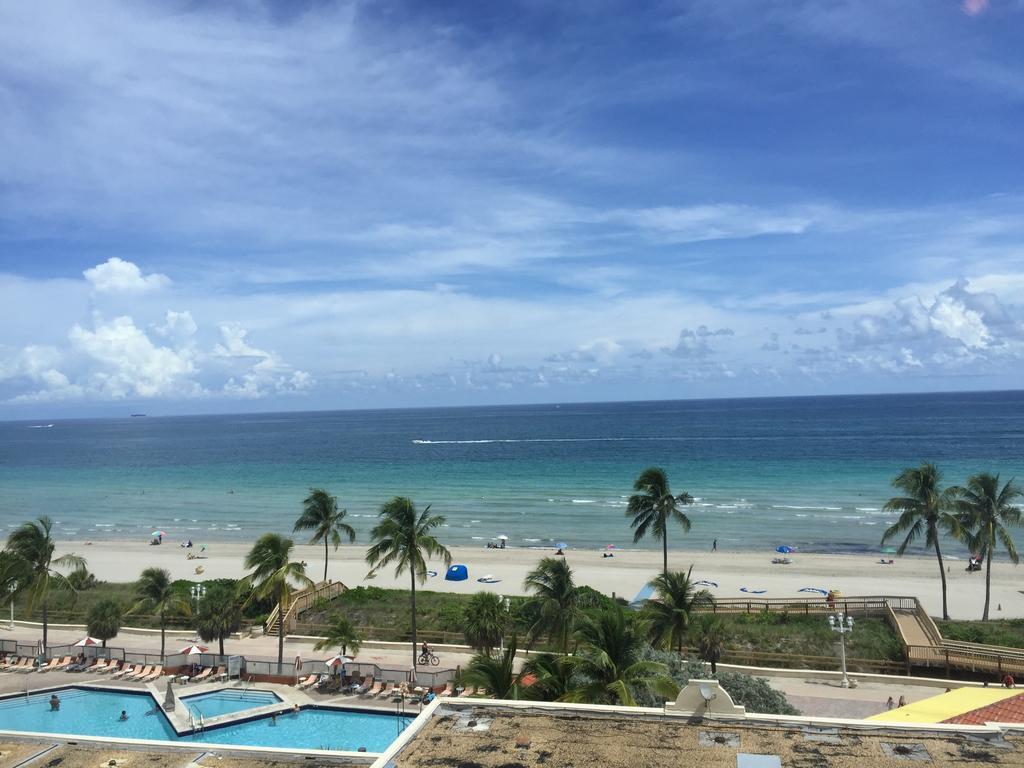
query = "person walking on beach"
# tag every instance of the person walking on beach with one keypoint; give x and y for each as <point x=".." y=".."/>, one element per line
<point x="890" y="703"/>
<point x="714" y="545"/>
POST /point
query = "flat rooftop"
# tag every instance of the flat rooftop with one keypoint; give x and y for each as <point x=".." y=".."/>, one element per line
<point x="492" y="736"/>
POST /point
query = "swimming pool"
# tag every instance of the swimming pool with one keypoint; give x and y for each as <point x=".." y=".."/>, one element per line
<point x="93" y="712"/>
<point x="217" y="703"/>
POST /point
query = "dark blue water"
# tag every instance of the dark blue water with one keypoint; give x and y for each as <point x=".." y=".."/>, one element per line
<point x="813" y="471"/>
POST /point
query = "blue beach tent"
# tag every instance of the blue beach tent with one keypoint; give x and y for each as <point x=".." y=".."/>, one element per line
<point x="457" y="573"/>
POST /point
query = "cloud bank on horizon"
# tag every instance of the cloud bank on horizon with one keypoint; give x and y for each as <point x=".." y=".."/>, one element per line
<point x="265" y="205"/>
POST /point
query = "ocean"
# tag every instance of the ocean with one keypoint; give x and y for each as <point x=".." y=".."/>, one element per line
<point x="810" y="472"/>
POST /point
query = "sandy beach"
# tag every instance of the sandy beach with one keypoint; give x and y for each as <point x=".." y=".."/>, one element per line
<point x="624" y="574"/>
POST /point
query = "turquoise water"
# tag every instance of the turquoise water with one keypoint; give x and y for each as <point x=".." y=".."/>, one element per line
<point x="811" y="472"/>
<point x="218" y="703"/>
<point x="97" y="713"/>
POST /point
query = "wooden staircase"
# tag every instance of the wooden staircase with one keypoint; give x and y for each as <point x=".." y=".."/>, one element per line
<point x="301" y="601"/>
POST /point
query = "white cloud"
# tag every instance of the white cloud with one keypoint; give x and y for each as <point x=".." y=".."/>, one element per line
<point x="116" y="276"/>
<point x="128" y="364"/>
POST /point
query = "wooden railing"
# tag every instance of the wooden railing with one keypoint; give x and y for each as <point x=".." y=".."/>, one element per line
<point x="302" y="601"/>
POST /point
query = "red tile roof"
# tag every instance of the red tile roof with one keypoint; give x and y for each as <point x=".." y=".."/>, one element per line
<point x="1009" y="710"/>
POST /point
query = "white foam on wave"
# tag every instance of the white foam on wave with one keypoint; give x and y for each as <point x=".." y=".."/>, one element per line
<point x="474" y="521"/>
<point x="583" y="501"/>
<point x="640" y="438"/>
<point x="531" y="540"/>
<point x="867" y="509"/>
<point x="477" y="538"/>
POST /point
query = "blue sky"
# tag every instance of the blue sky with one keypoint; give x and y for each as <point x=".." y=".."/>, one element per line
<point x="248" y="205"/>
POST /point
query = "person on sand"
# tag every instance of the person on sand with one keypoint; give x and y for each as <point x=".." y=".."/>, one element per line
<point x="559" y="552"/>
<point x="1008" y="681"/>
<point x="902" y="701"/>
<point x="714" y="545"/>
<point x="890" y="703"/>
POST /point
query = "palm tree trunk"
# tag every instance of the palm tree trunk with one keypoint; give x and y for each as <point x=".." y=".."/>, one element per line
<point x="942" y="575"/>
<point x="988" y="579"/>
<point x="412" y="579"/>
<point x="163" y="629"/>
<point x="280" y="630"/>
<point x="664" y="550"/>
<point x="325" y="559"/>
<point x="220" y="641"/>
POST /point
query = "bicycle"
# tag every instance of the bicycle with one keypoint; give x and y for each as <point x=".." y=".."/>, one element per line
<point x="429" y="658"/>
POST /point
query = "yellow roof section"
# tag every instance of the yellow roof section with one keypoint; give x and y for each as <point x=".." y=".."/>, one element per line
<point x="937" y="709"/>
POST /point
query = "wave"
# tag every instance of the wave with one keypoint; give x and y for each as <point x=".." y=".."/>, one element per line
<point x="40" y="426"/>
<point x="584" y="501"/>
<point x="551" y="440"/>
<point x="813" y="509"/>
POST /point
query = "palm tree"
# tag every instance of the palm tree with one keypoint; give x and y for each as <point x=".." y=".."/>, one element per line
<point x="273" y="574"/>
<point x="341" y="633"/>
<point x="104" y="620"/>
<point x="219" y="614"/>
<point x="986" y="510"/>
<point x="708" y="634"/>
<point x="547" y="677"/>
<point x="31" y="546"/>
<point x="494" y="673"/>
<point x="485" y="620"/>
<point x="670" y="612"/>
<point x="321" y="515"/>
<point x="610" y="667"/>
<point x="404" y="538"/>
<point x="654" y="507"/>
<point x="154" y="591"/>
<point x="926" y="508"/>
<point x="555" y="595"/>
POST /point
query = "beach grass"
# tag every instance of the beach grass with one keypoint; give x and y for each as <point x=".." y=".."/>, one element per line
<point x="1005" y="632"/>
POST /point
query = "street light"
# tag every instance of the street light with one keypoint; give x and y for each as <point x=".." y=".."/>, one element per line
<point x="10" y="596"/>
<point x="506" y="603"/>
<point x="843" y="625"/>
<point x="198" y="592"/>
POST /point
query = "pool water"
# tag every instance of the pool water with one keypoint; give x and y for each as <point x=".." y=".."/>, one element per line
<point x="91" y="712"/>
<point x="217" y="703"/>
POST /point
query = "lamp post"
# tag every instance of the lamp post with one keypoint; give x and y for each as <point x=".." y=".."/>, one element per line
<point x="10" y="596"/>
<point x="506" y="603"/>
<point x="198" y="592"/>
<point x="843" y="625"/>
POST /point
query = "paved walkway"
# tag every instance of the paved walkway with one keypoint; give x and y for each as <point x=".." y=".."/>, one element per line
<point x="825" y="698"/>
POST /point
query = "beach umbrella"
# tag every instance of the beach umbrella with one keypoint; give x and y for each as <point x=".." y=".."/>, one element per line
<point x="503" y="537"/>
<point x="785" y="550"/>
<point x="169" y="698"/>
<point x="337" y="660"/>
<point x="610" y="546"/>
<point x="158" y="533"/>
<point x="193" y="650"/>
<point x="561" y="545"/>
<point x="298" y="663"/>
<point x="889" y="550"/>
<point x="85" y="642"/>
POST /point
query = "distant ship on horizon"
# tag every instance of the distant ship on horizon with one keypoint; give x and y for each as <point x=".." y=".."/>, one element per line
<point x="138" y="415"/>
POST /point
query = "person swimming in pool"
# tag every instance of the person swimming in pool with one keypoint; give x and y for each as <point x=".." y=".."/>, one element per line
<point x="124" y="716"/>
<point x="55" y="703"/>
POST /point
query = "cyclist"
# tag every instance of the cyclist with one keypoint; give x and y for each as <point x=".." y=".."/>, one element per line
<point x="425" y="650"/>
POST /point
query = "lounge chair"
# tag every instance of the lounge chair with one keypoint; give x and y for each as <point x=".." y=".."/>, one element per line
<point x="388" y="690"/>
<point x="126" y="670"/>
<point x="203" y="675"/>
<point x="154" y="675"/>
<point x="28" y="666"/>
<point x="139" y="675"/>
<point x="51" y="665"/>
<point x="469" y="691"/>
<point x="306" y="682"/>
<point x="113" y="666"/>
<point x="96" y="666"/>
<point x="371" y="688"/>
<point x="448" y="689"/>
<point x="64" y="663"/>
<point x="8" y="662"/>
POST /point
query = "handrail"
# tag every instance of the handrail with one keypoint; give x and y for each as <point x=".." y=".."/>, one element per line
<point x="300" y="601"/>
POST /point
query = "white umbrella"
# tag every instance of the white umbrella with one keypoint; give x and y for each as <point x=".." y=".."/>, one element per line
<point x="193" y="650"/>
<point x="503" y="537"/>
<point x="87" y="641"/>
<point x="334" y="661"/>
